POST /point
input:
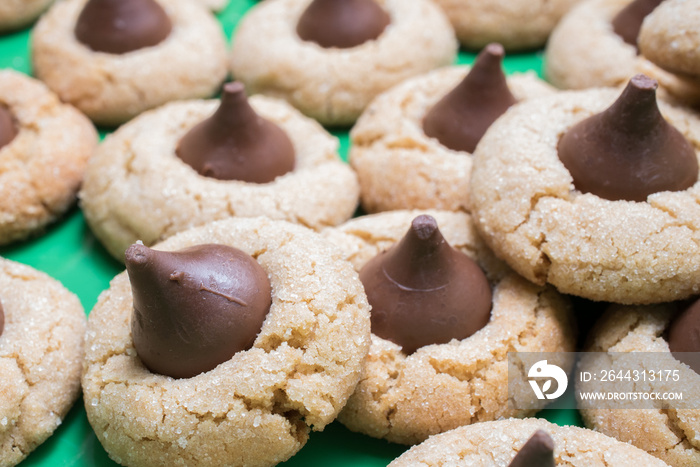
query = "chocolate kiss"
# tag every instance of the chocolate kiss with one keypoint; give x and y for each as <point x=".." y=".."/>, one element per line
<point x="195" y="308"/>
<point x="423" y="291"/>
<point x="8" y="129"/>
<point x="121" y="26"/>
<point x="2" y="319"/>
<point x="461" y="118"/>
<point x="342" y="23"/>
<point x="629" y="151"/>
<point x="628" y="21"/>
<point x="236" y="143"/>
<point x="538" y="451"/>
<point x="684" y="336"/>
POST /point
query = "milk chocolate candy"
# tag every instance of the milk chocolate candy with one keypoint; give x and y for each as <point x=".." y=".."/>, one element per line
<point x="629" y="151"/>
<point x="235" y="143"/>
<point x="538" y="451"/>
<point x="195" y="308"/>
<point x="423" y="291"/>
<point x="461" y="118"/>
<point x="2" y="319"/>
<point x="121" y="26"/>
<point x="8" y="129"/>
<point x="684" y="336"/>
<point x="342" y="23"/>
<point x="628" y="21"/>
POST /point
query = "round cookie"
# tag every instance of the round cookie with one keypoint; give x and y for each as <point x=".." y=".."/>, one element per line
<point x="496" y="444"/>
<point x="136" y="188"/>
<point x="667" y="432"/>
<point x="526" y="208"/>
<point x="406" y="398"/>
<point x="584" y="51"/>
<point x="397" y="164"/>
<point x="42" y="167"/>
<point x="15" y="14"/>
<point x="334" y="85"/>
<point x="112" y="88"/>
<point x="518" y="25"/>
<point x="670" y="38"/>
<point x="41" y="352"/>
<point x="258" y="407"/>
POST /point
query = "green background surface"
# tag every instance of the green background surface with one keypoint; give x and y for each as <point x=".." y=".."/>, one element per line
<point x="70" y="253"/>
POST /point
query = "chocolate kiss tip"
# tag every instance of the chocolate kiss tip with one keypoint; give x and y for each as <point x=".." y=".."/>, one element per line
<point x="543" y="439"/>
<point x="495" y="49"/>
<point x="424" y="226"/>
<point x="137" y="254"/>
<point x="538" y="450"/>
<point x="643" y="82"/>
<point x="234" y="87"/>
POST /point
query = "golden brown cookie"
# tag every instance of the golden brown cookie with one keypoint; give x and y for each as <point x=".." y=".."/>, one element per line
<point x="397" y="164"/>
<point x="527" y="209"/>
<point x="584" y="51"/>
<point x="41" y="168"/>
<point x="668" y="432"/>
<point x="670" y="37"/>
<point x="334" y="85"/>
<point x="112" y="88"/>
<point x="518" y="25"/>
<point x="496" y="444"/>
<point x="406" y="398"/>
<point x="41" y="352"/>
<point x="136" y="188"/>
<point x="15" y="14"/>
<point x="258" y="407"/>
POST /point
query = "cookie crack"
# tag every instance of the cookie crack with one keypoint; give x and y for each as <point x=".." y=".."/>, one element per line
<point x="673" y="424"/>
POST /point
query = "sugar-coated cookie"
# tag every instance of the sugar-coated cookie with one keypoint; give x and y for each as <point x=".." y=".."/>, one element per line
<point x="668" y="432"/>
<point x="15" y="14"/>
<point x="331" y="84"/>
<point x="258" y="407"/>
<point x="584" y="51"/>
<point x="111" y="88"/>
<point x="497" y="443"/>
<point x="398" y="165"/>
<point x="41" y="353"/>
<point x="43" y="154"/>
<point x="406" y="398"/>
<point x="528" y="209"/>
<point x="670" y="37"/>
<point x="137" y="188"/>
<point x="518" y="25"/>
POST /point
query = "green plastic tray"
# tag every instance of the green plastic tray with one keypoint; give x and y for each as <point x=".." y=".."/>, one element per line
<point x="70" y="253"/>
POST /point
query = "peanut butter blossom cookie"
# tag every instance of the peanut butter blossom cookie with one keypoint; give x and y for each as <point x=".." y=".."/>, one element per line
<point x="42" y="326"/>
<point x="224" y="345"/>
<point x="670" y="430"/>
<point x="329" y="58"/>
<point x="412" y="147"/>
<point x="113" y="59"/>
<point x="594" y="192"/>
<point x="595" y="45"/>
<point x="15" y="14"/>
<point x="670" y="37"/>
<point x="523" y="443"/>
<point x="517" y="24"/>
<point x="191" y="162"/>
<point x="445" y="313"/>
<point x="44" y="149"/>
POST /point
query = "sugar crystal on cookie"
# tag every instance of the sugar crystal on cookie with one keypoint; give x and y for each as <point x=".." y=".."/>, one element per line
<point x="461" y="118"/>
<point x="121" y="26"/>
<point x="423" y="291"/>
<point x="235" y="143"/>
<point x="195" y="308"/>
<point x="342" y="23"/>
<point x="629" y="151"/>
<point x="2" y="319"/>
